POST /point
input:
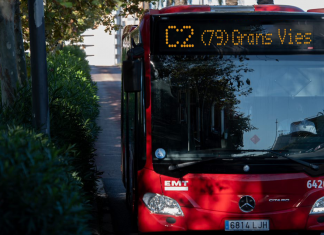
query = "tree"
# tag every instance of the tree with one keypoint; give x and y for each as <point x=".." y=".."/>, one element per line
<point x="66" y="20"/>
<point x="19" y="43"/>
<point x="8" y="65"/>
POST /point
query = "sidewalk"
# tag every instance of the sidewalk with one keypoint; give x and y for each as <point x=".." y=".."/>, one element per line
<point x="108" y="142"/>
<point x="108" y="151"/>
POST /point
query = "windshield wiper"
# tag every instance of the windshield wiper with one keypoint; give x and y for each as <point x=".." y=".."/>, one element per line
<point x="182" y="165"/>
<point x="187" y="164"/>
<point x="310" y="165"/>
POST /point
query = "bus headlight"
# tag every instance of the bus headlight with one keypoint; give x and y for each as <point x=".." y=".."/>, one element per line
<point x="160" y="204"/>
<point x="318" y="206"/>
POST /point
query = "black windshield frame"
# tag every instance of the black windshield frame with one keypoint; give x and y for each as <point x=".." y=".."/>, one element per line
<point x="235" y="166"/>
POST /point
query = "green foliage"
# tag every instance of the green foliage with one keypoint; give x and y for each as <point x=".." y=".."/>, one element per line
<point x="66" y="20"/>
<point x="53" y="205"/>
<point x="76" y="51"/>
<point x="20" y="113"/>
<point x="73" y="109"/>
<point x="38" y="194"/>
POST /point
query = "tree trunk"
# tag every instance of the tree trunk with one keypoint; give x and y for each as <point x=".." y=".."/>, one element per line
<point x="231" y="2"/>
<point x="265" y="2"/>
<point x="20" y="52"/>
<point x="8" y="67"/>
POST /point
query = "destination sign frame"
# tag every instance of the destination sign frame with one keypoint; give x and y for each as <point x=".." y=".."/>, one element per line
<point x="237" y="34"/>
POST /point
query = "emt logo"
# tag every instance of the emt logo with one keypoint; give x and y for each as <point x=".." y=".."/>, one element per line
<point x="172" y="185"/>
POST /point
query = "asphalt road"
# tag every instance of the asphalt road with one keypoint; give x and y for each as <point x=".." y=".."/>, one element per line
<point x="108" y="144"/>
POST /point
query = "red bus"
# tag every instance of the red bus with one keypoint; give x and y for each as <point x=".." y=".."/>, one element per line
<point x="223" y="119"/>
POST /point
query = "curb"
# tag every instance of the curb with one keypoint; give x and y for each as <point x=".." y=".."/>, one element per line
<point x="105" y="225"/>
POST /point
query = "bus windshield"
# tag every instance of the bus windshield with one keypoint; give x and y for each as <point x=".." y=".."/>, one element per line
<point x="210" y="105"/>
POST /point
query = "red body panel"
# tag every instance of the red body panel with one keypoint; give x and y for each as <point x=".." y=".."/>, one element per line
<point x="222" y="192"/>
<point x="184" y="8"/>
<point x="145" y="33"/>
<point x="213" y="198"/>
<point x="319" y="10"/>
<point x="312" y="223"/>
<point x="277" y="8"/>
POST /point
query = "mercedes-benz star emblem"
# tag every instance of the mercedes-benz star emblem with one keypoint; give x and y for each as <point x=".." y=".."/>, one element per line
<point x="247" y="204"/>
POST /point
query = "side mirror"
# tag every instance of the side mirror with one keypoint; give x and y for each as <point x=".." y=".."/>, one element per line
<point x="131" y="73"/>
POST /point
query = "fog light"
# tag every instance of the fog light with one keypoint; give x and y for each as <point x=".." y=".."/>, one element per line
<point x="160" y="204"/>
<point x="318" y="207"/>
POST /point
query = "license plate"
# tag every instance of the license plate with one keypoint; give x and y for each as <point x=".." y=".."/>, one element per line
<point x="246" y="225"/>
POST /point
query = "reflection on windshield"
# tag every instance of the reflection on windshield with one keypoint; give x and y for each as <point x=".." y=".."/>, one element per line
<point x="236" y="103"/>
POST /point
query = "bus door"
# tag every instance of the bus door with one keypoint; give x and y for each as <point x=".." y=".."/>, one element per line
<point x="132" y="117"/>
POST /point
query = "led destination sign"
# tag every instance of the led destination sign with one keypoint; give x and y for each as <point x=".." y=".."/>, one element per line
<point x="240" y="36"/>
<point x="283" y="36"/>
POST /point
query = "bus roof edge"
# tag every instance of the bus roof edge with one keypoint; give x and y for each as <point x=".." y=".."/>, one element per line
<point x="281" y="8"/>
<point x="225" y="8"/>
<point x="317" y="10"/>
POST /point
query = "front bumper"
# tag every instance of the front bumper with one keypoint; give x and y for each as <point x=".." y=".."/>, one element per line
<point x="196" y="219"/>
